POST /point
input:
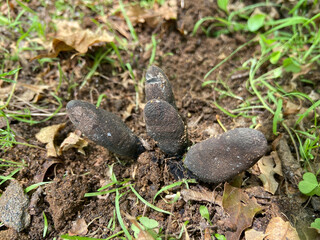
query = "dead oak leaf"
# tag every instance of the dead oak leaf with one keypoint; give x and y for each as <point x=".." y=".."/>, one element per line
<point x="74" y="140"/>
<point x="240" y="208"/>
<point x="269" y="166"/>
<point x="47" y="135"/>
<point x="70" y="36"/>
<point x="278" y="229"/>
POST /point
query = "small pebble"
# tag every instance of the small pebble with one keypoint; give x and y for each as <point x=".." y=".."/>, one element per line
<point x="220" y="158"/>
<point x="14" y="207"/>
<point x="104" y="128"/>
<point x="158" y="86"/>
<point x="165" y="126"/>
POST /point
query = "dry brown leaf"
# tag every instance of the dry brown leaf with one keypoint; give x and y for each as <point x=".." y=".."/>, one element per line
<point x="169" y="10"/>
<point x="252" y="234"/>
<point x="204" y="195"/>
<point x="39" y="177"/>
<point x="278" y="229"/>
<point x="79" y="227"/>
<point x="47" y="135"/>
<point x="166" y="11"/>
<point x="70" y="36"/>
<point x="33" y="92"/>
<point x="240" y="208"/>
<point x="74" y="140"/>
<point x="269" y="166"/>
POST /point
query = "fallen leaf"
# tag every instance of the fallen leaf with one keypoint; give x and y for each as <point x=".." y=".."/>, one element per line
<point x="269" y="166"/>
<point x="167" y="11"/>
<point x="278" y="229"/>
<point x="39" y="177"/>
<point x="32" y="92"/>
<point x="240" y="208"/>
<point x="252" y="234"/>
<point x="79" y="227"/>
<point x="204" y="195"/>
<point x="74" y="140"/>
<point x="70" y="36"/>
<point x="47" y="135"/>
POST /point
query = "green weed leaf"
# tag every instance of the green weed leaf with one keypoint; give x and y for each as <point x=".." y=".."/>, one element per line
<point x="291" y="65"/>
<point x="316" y="224"/>
<point x="309" y="184"/>
<point x="255" y="22"/>
<point x="275" y="56"/>
<point x="148" y="223"/>
<point x="204" y="213"/>
<point x="222" y="4"/>
<point x="220" y="237"/>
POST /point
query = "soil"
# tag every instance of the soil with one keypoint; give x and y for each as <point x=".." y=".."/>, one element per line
<point x="73" y="174"/>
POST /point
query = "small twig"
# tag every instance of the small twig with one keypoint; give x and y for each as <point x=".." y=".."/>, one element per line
<point x="35" y="114"/>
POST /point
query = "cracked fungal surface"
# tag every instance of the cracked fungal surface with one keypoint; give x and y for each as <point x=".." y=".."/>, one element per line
<point x="104" y="128"/>
<point x="165" y="126"/>
<point x="158" y="86"/>
<point x="219" y="159"/>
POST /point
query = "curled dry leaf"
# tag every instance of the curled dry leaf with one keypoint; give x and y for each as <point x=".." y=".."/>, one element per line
<point x="203" y="195"/>
<point x="47" y="135"/>
<point x="74" y="140"/>
<point x="70" y="36"/>
<point x="79" y="227"/>
<point x="240" y="208"/>
<point x="269" y="166"/>
<point x="279" y="229"/>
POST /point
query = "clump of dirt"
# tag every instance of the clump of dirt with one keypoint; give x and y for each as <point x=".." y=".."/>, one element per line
<point x="66" y="198"/>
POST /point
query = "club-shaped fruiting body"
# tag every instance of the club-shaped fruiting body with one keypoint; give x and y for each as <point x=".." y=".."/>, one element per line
<point x="157" y="86"/>
<point x="165" y="126"/>
<point x="220" y="158"/>
<point x="104" y="128"/>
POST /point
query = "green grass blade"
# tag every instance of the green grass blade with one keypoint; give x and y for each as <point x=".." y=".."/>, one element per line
<point x="277" y="117"/>
<point x="225" y="111"/>
<point x="120" y="220"/>
<point x="66" y="236"/>
<point x="165" y="188"/>
<point x="198" y="24"/>
<point x="316" y="104"/>
<point x="147" y="203"/>
<point x="45" y="226"/>
<point x="101" y="96"/>
<point x="34" y="186"/>
<point x="154" y="49"/>
<point x="227" y="58"/>
<point x="132" y="31"/>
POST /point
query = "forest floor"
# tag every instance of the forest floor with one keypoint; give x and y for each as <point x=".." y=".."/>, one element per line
<point x="99" y="51"/>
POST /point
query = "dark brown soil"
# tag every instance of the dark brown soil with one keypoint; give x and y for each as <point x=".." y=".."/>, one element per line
<point x="73" y="174"/>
